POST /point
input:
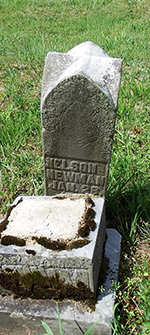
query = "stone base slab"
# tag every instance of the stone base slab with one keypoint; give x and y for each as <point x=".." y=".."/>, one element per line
<point x="79" y="264"/>
<point x="17" y="315"/>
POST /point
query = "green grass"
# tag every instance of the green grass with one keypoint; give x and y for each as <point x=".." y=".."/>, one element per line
<point x="31" y="28"/>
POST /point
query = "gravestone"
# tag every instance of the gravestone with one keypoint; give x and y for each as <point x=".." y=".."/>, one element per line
<point x="78" y="107"/>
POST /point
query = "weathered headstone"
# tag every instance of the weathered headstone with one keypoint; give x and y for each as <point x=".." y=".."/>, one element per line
<point x="63" y="236"/>
<point x="78" y="107"/>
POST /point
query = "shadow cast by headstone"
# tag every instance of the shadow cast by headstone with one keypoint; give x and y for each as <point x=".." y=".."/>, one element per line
<point x="128" y="211"/>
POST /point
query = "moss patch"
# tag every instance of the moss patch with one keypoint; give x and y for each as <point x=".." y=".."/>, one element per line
<point x="87" y="221"/>
<point x="5" y="221"/>
<point x="34" y="285"/>
<point x="59" y="245"/>
<point x="8" y="239"/>
<point x="77" y="244"/>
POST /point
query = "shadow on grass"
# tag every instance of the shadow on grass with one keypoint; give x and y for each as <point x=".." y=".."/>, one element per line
<point x="129" y="211"/>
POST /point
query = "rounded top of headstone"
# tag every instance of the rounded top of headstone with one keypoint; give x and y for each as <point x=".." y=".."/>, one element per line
<point x="87" y="49"/>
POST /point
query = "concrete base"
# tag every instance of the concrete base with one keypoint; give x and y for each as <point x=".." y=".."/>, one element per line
<point x="16" y="316"/>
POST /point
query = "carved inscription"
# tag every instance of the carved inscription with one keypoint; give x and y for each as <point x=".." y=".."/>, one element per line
<point x="75" y="176"/>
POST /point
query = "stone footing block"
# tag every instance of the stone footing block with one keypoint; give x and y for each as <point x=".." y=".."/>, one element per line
<point x="17" y="315"/>
<point x="33" y="217"/>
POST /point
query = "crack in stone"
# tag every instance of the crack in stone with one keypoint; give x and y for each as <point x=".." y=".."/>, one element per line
<point x="79" y="326"/>
<point x="43" y="222"/>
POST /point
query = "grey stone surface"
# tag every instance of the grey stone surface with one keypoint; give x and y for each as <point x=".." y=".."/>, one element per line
<point x="18" y="315"/>
<point x="78" y="107"/>
<point x="81" y="264"/>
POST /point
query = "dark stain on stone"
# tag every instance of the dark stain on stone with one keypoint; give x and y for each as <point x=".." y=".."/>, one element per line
<point x="35" y="286"/>
<point x="31" y="252"/>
